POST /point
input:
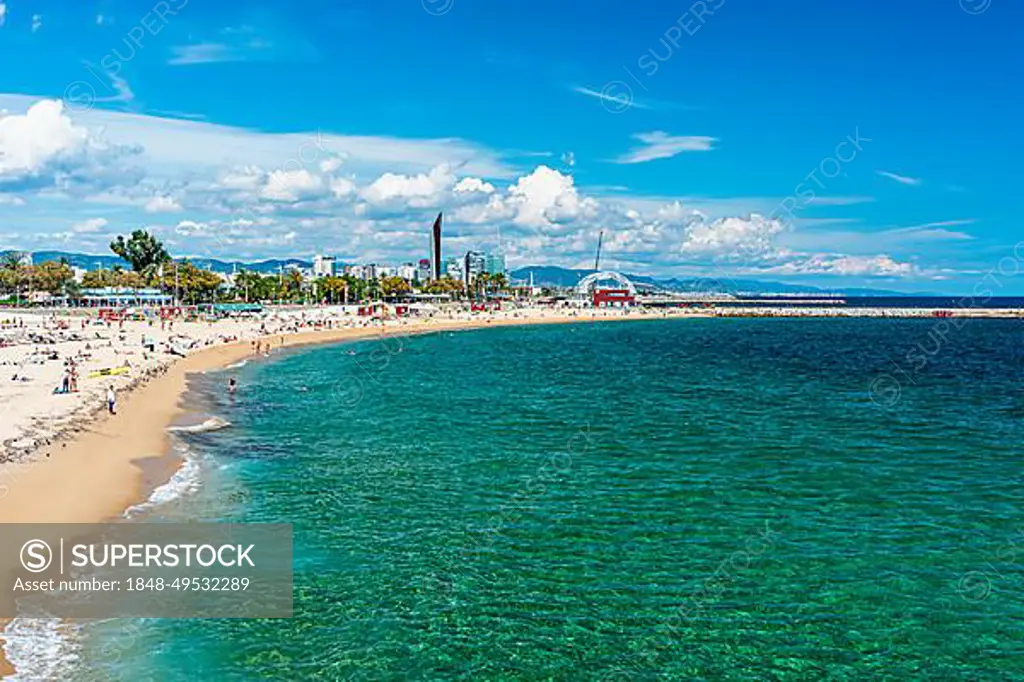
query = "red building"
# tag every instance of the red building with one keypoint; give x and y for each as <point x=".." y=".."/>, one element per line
<point x="613" y="298"/>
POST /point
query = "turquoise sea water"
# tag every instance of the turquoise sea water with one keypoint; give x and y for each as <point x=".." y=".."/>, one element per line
<point x="712" y="499"/>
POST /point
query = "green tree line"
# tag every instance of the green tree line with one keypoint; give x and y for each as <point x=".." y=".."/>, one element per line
<point x="151" y="266"/>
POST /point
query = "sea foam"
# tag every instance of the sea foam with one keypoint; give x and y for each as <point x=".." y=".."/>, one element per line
<point x="210" y="424"/>
<point x="186" y="480"/>
<point x="41" y="649"/>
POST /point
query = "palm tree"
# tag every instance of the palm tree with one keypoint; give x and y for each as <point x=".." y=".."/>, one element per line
<point x="247" y="283"/>
<point x="293" y="285"/>
<point x="499" y="281"/>
<point x="373" y="289"/>
<point x="481" y="282"/>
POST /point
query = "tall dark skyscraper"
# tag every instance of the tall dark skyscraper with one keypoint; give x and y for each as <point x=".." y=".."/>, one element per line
<point x="435" y="249"/>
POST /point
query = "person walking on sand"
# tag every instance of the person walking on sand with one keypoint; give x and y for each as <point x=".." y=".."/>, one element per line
<point x="111" y="400"/>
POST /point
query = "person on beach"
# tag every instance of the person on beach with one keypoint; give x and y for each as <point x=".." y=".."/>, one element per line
<point x="111" y="400"/>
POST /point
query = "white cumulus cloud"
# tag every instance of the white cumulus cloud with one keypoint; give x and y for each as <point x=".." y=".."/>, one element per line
<point x="44" y="148"/>
<point x="837" y="264"/>
<point x="89" y="226"/>
<point x="162" y="204"/>
<point x="415" y="191"/>
<point x="470" y="185"/>
<point x="330" y="165"/>
<point x="291" y="185"/>
<point x="42" y="135"/>
<point x="545" y="197"/>
<point x="191" y="227"/>
<point x="739" y="238"/>
<point x="342" y="187"/>
<point x="244" y="178"/>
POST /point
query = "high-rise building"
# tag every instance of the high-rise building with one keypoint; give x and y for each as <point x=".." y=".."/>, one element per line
<point x="435" y="248"/>
<point x="473" y="265"/>
<point x="423" y="271"/>
<point x="323" y="266"/>
<point x="453" y="268"/>
<point x="496" y="263"/>
<point x="407" y="272"/>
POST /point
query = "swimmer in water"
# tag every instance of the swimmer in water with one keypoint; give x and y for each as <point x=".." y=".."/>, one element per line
<point x="232" y="385"/>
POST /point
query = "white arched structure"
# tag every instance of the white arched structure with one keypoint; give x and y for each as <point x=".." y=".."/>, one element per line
<point x="586" y="285"/>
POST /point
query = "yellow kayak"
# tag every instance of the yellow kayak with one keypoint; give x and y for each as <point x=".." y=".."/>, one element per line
<point x="109" y="371"/>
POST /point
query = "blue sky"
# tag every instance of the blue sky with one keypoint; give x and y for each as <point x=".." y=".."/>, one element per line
<point x="808" y="142"/>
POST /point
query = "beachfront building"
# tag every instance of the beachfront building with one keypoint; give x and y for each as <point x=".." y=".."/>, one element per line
<point x="605" y="289"/>
<point x="407" y="272"/>
<point x="453" y="268"/>
<point x="423" y="271"/>
<point x="495" y="263"/>
<point x="323" y="266"/>
<point x="525" y="289"/>
<point x="474" y="264"/>
<point x="42" y="297"/>
<point x="120" y="297"/>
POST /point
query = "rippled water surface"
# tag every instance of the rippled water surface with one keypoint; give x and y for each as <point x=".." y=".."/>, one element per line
<point x="715" y="499"/>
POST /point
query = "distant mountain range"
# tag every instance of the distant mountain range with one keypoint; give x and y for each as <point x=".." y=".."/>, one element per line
<point x="554" y="276"/>
<point x="543" y="276"/>
<point x="89" y="262"/>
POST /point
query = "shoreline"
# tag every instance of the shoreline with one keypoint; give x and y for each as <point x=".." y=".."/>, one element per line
<point x="137" y="435"/>
<point x="96" y="474"/>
